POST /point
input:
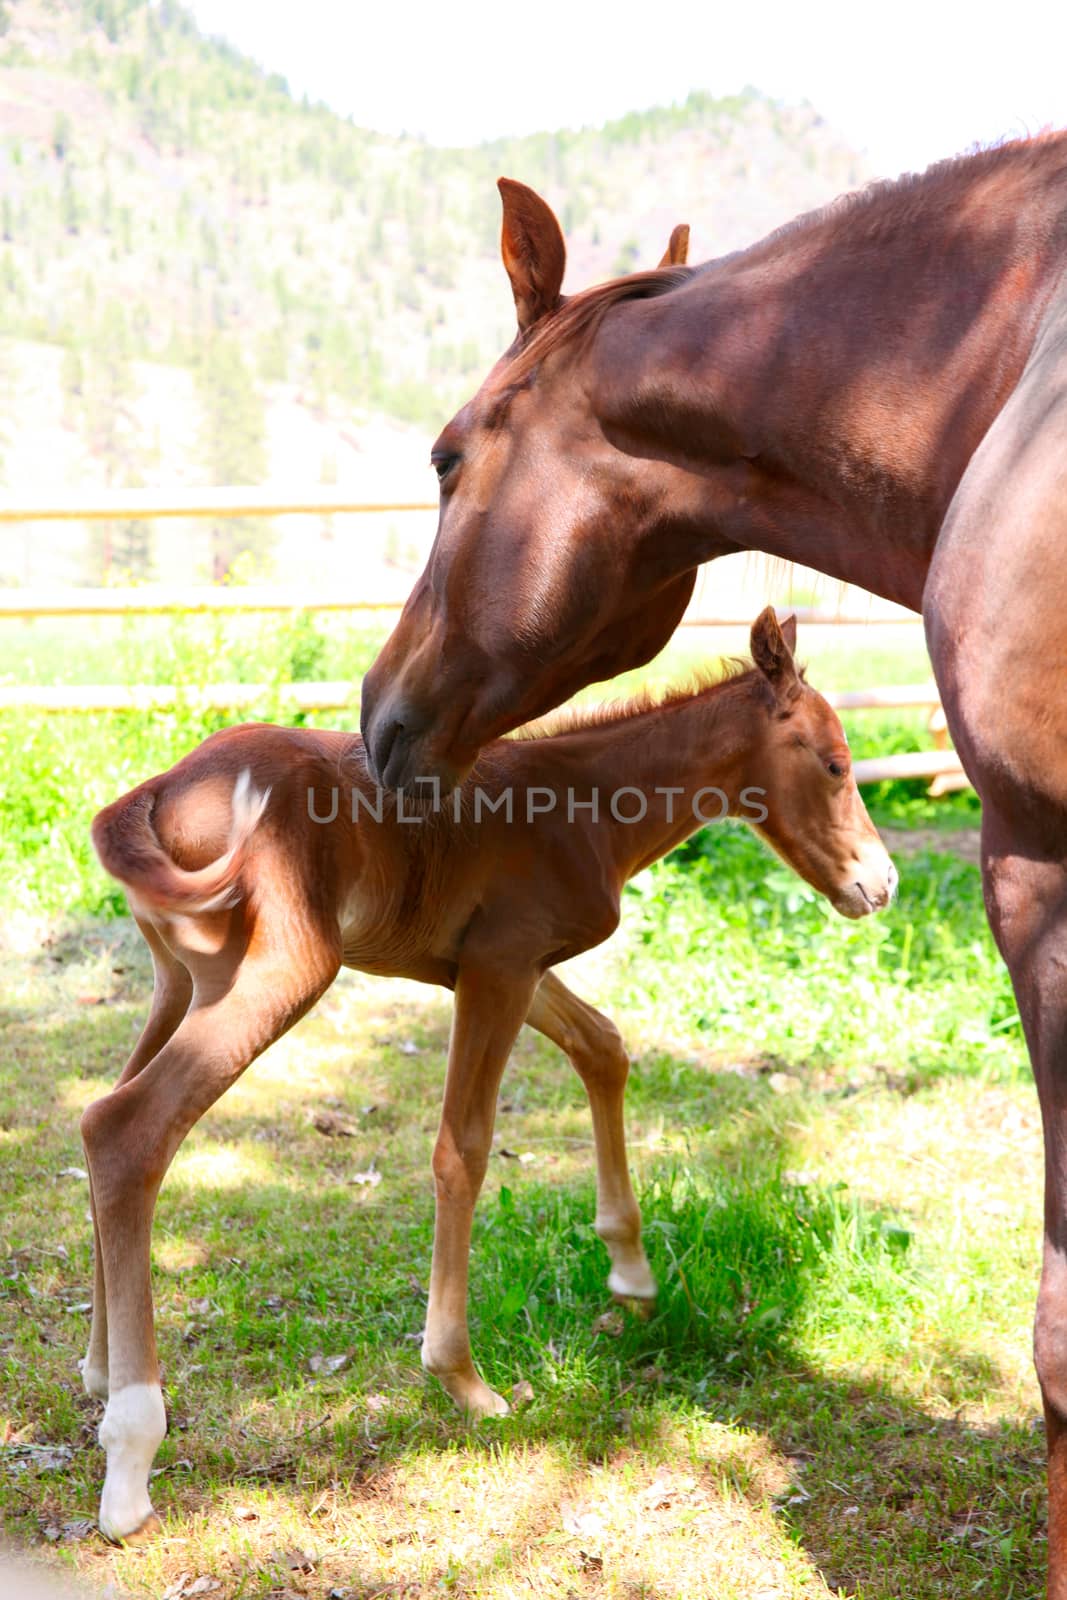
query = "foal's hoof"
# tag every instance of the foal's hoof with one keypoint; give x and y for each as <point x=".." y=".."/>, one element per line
<point x="474" y="1396"/>
<point x="493" y="1405"/>
<point x="150" y="1528"/>
<point x="94" y="1380"/>
<point x="640" y="1306"/>
<point x="633" y="1287"/>
<point x="481" y="1401"/>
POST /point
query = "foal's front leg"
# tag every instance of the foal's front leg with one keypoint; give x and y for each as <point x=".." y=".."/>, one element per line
<point x="489" y="1010"/>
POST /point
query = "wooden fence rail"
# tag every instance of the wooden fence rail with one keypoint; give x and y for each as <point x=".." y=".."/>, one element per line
<point x="155" y="600"/>
<point x="166" y="696"/>
<point x="200" y="599"/>
<point x="941" y="765"/>
<point x="324" y="696"/>
<point x="248" y="500"/>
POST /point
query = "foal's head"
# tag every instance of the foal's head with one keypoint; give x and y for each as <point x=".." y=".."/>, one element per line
<point x="816" y="819"/>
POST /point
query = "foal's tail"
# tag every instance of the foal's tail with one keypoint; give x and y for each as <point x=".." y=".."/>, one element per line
<point x="126" y="842"/>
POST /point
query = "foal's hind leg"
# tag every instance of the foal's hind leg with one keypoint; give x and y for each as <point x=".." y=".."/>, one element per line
<point x="599" y="1057"/>
<point x="130" y="1138"/>
<point x="170" y="1001"/>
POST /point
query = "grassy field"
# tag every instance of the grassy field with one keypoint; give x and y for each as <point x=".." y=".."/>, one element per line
<point x="836" y="1147"/>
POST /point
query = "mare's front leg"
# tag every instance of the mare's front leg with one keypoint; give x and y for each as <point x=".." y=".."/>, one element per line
<point x="1027" y="900"/>
<point x="599" y="1057"/>
<point x="489" y="1009"/>
<point x="130" y="1138"/>
<point x="995" y="607"/>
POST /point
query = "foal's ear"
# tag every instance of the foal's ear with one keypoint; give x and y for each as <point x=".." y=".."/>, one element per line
<point x="531" y="244"/>
<point x="772" y="650"/>
<point x="677" y="251"/>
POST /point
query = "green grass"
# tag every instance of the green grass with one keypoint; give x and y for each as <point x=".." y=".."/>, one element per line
<point x="187" y="648"/>
<point x="834" y="1383"/>
<point x="729" y="943"/>
<point x="57" y="770"/>
<point x="837" y="1153"/>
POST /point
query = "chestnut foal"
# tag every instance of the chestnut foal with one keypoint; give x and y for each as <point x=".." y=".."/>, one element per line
<point x="266" y="860"/>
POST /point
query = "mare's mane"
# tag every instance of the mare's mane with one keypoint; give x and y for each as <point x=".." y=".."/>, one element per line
<point x="868" y="213"/>
<point x="888" y="204"/>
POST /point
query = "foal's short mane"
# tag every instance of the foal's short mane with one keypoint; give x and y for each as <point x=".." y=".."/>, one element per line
<point x="703" y="684"/>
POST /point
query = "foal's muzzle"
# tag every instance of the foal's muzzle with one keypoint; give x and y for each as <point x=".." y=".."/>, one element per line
<point x="870" y="890"/>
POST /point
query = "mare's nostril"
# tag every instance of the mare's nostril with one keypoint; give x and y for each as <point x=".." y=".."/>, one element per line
<point x="382" y="743"/>
<point x="396" y="737"/>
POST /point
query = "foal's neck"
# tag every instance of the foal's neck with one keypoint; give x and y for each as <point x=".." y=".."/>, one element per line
<point x="662" y="773"/>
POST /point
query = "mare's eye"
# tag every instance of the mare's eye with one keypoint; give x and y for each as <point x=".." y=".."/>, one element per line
<point x="835" y="769"/>
<point x="443" y="465"/>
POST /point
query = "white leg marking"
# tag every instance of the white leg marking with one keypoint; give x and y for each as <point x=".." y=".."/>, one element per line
<point x="131" y="1432"/>
<point x="630" y="1277"/>
<point x="632" y="1281"/>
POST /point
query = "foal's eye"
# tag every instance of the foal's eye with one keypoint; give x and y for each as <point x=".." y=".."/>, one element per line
<point x="443" y="465"/>
<point x="835" y="769"/>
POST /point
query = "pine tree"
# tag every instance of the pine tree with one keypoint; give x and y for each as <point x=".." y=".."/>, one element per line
<point x="61" y="136"/>
<point x="69" y="205"/>
<point x="72" y="382"/>
<point x="8" y="403"/>
<point x="104" y="383"/>
<point x="233" y="448"/>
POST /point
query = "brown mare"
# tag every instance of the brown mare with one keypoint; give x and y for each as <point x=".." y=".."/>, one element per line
<point x="878" y="390"/>
<point x="265" y="861"/>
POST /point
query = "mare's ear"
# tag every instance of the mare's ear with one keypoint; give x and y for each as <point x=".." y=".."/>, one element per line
<point x="772" y="651"/>
<point x="531" y="244"/>
<point x="677" y="251"/>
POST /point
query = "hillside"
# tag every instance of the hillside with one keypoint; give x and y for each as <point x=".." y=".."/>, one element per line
<point x="191" y="259"/>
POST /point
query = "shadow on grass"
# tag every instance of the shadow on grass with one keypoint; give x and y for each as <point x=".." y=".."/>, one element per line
<point x="886" y="1497"/>
<point x="258" y="1274"/>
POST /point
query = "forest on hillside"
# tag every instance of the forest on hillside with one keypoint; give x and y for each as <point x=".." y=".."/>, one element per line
<point x="164" y="201"/>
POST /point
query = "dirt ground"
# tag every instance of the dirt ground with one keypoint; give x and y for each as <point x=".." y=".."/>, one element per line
<point x="962" y="842"/>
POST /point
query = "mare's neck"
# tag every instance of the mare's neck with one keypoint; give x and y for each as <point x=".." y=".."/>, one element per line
<point x="819" y="395"/>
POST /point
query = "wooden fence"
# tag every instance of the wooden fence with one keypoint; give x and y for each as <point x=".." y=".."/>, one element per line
<point x="941" y="765"/>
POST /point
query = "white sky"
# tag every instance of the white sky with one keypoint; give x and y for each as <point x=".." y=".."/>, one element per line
<point x="908" y="81"/>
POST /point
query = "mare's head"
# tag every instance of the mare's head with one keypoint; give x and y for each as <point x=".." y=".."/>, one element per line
<point x="815" y="819"/>
<point x="556" y="560"/>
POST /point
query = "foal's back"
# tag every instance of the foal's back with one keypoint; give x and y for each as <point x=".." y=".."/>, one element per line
<point x="404" y="884"/>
